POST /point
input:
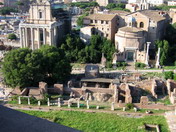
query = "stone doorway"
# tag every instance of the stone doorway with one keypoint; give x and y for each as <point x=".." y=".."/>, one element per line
<point x="130" y="56"/>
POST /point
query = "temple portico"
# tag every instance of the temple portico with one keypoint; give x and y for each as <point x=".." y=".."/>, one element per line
<point x="35" y="35"/>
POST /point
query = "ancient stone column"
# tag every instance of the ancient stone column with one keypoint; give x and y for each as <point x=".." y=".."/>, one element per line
<point x="32" y="39"/>
<point x="44" y="36"/>
<point x="54" y="35"/>
<point x="21" y="37"/>
<point x="19" y="100"/>
<point x="59" y="102"/>
<point x="38" y="32"/>
<point x="29" y="101"/>
<point x="147" y="54"/>
<point x="48" y="102"/>
<point x="87" y="102"/>
<point x="26" y="37"/>
<point x="112" y="106"/>
<point x="39" y="103"/>
<point x="50" y="36"/>
<point x="158" y="59"/>
<point x="78" y="103"/>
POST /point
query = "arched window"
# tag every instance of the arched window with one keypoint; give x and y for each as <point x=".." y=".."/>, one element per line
<point x="141" y="25"/>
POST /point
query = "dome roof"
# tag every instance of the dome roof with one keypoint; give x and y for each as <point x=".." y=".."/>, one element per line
<point x="131" y="29"/>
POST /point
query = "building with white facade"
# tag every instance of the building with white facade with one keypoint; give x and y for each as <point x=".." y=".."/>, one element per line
<point x="40" y="28"/>
<point x="171" y="3"/>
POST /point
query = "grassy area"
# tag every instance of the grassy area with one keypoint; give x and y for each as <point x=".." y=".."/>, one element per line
<point x="170" y="67"/>
<point x="153" y="74"/>
<point x="166" y="101"/>
<point x="100" y="122"/>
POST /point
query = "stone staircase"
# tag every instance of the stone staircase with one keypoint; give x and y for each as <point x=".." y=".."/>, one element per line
<point x="131" y="66"/>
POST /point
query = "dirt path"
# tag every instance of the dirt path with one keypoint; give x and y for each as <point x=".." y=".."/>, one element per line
<point x="55" y="108"/>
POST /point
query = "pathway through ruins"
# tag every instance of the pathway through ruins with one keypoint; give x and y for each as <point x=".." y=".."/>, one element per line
<point x="171" y="120"/>
<point x="55" y="108"/>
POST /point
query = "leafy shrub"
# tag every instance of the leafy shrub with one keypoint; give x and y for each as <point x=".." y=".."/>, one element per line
<point x="129" y="106"/>
<point x="119" y="64"/>
<point x="12" y="36"/>
<point x="109" y="64"/>
<point x="142" y="65"/>
<point x="169" y="75"/>
<point x="175" y="77"/>
<point x="139" y="65"/>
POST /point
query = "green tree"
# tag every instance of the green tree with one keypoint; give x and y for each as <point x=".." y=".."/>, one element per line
<point x="1" y="3"/>
<point x="24" y="67"/>
<point x="55" y="65"/>
<point x="15" y="69"/>
<point x="164" y="46"/>
<point x="12" y="36"/>
<point x="20" y="5"/>
<point x="80" y="19"/>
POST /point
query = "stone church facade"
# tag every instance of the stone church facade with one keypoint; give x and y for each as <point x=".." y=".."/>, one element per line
<point x="40" y="28"/>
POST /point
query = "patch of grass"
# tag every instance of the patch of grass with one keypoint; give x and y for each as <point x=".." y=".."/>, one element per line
<point x="99" y="122"/>
<point x="166" y="101"/>
<point x="170" y="67"/>
<point x="153" y="74"/>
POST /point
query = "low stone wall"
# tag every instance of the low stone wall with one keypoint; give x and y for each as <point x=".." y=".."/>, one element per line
<point x="99" y="90"/>
<point x="150" y="106"/>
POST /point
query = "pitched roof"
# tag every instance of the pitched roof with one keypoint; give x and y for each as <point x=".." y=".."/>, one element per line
<point x="153" y="14"/>
<point x="101" y="16"/>
<point x="15" y="121"/>
<point x="119" y="12"/>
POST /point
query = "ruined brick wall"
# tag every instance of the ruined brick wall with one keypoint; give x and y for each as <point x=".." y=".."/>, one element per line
<point x="78" y="91"/>
<point x="99" y="90"/>
<point x="128" y="97"/>
<point x="57" y="89"/>
<point x="43" y="86"/>
<point x="171" y="84"/>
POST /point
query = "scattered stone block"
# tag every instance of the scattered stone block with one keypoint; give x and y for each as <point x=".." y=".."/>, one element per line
<point x="124" y="108"/>
<point x="97" y="107"/>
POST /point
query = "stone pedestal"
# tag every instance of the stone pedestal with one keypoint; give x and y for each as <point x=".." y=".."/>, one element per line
<point x="19" y="100"/>
<point x="39" y="103"/>
<point x="97" y="107"/>
<point x="78" y="104"/>
<point x="135" y="109"/>
<point x="112" y="106"/>
<point x="87" y="102"/>
<point x="59" y="102"/>
<point x="29" y="101"/>
<point x="48" y="102"/>
<point x="124" y="109"/>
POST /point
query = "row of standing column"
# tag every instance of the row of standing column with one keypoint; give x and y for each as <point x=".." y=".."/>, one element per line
<point x="24" y="37"/>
